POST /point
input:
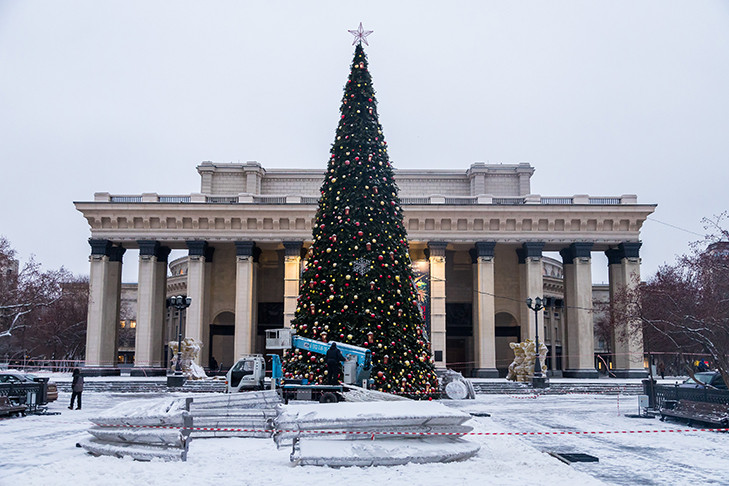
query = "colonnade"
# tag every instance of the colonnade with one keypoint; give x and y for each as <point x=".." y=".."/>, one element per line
<point x="105" y="285"/>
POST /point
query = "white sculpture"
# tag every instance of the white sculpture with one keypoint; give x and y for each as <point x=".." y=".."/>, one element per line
<point x="190" y="352"/>
<point x="522" y="368"/>
<point x="454" y="386"/>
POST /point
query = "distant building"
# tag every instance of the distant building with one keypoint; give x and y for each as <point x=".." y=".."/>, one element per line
<point x="476" y="236"/>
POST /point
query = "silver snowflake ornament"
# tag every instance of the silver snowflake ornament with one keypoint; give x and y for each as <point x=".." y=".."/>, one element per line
<point x="362" y="266"/>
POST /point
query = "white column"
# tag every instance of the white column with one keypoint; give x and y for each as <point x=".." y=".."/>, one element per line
<point x="245" y="298"/>
<point x="292" y="272"/>
<point x="627" y="340"/>
<point x="484" y="312"/>
<point x="438" y="301"/>
<point x="531" y="284"/>
<point x="199" y="253"/>
<point x="104" y="302"/>
<point x="151" y="293"/>
<point x="580" y="345"/>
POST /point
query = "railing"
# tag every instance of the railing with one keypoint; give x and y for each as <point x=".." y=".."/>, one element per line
<point x="605" y="200"/>
<point x="29" y="394"/>
<point x="174" y="199"/>
<point x="557" y="200"/>
<point x="508" y="201"/>
<point x="221" y="199"/>
<point x="415" y="200"/>
<point x="461" y="201"/>
<point x="126" y="199"/>
<point x="671" y="392"/>
<point x="270" y="199"/>
<point x="53" y="365"/>
<point x="405" y="201"/>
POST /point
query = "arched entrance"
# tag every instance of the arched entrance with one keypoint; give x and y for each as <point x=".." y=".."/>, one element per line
<point x="507" y="331"/>
<point x="222" y="331"/>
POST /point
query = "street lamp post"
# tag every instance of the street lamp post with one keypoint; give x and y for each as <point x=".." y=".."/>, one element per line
<point x="536" y="305"/>
<point x="181" y="303"/>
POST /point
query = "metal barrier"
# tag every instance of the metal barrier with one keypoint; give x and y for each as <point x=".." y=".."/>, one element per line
<point x="674" y="393"/>
<point x="32" y="395"/>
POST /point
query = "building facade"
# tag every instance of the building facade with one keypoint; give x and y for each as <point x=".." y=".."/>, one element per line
<point x="477" y="240"/>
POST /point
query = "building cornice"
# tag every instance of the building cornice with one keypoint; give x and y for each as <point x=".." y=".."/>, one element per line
<point x="556" y="225"/>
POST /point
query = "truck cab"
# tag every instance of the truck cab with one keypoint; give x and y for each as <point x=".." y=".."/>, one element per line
<point x="248" y="373"/>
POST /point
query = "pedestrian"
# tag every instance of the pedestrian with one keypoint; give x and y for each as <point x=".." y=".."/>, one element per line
<point x="77" y="387"/>
<point x="213" y="364"/>
<point x="662" y="370"/>
<point x="334" y="364"/>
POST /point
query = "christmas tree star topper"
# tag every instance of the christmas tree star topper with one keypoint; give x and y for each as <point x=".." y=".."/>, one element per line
<point x="360" y="35"/>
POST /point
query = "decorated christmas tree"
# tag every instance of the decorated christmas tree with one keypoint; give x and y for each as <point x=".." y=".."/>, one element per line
<point x="357" y="285"/>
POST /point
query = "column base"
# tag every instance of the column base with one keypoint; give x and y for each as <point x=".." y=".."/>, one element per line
<point x="539" y="381"/>
<point x="641" y="373"/>
<point x="100" y="371"/>
<point x="143" y="371"/>
<point x="176" y="380"/>
<point x="554" y="373"/>
<point x="485" y="373"/>
<point x="592" y="373"/>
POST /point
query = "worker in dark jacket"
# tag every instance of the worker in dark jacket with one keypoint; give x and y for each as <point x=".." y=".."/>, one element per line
<point x="77" y="386"/>
<point x="334" y="364"/>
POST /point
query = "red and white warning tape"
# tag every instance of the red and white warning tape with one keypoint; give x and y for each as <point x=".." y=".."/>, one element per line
<point x="386" y="433"/>
<point x="373" y="433"/>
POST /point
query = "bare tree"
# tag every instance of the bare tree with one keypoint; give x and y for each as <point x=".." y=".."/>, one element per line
<point x="59" y="331"/>
<point x="42" y="312"/>
<point x="24" y="291"/>
<point x="684" y="307"/>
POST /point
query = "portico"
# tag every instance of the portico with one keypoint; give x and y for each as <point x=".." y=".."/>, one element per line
<point x="480" y="234"/>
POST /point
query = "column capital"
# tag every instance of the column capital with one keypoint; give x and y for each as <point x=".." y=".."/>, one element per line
<point x="100" y="247"/>
<point x="148" y="248"/>
<point x="579" y="250"/>
<point x="628" y="249"/>
<point x="436" y="249"/>
<point x="530" y="250"/>
<point x="293" y="248"/>
<point x="200" y="248"/>
<point x="485" y="249"/>
<point x="163" y="252"/>
<point x="116" y="253"/>
<point x="247" y="249"/>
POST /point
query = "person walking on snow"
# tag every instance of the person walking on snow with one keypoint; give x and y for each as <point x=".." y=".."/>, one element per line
<point x="334" y="364"/>
<point x="77" y="386"/>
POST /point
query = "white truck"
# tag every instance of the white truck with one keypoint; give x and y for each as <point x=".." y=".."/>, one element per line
<point x="249" y="371"/>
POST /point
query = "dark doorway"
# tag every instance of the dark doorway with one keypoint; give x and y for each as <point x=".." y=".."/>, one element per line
<point x="507" y="331"/>
<point x="270" y="316"/>
<point x="221" y="342"/>
<point x="459" y="332"/>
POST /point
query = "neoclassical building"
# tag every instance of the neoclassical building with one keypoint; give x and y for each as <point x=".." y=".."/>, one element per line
<point x="477" y="241"/>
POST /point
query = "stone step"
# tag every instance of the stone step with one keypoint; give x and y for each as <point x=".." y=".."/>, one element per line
<point x="507" y="388"/>
<point x="511" y="388"/>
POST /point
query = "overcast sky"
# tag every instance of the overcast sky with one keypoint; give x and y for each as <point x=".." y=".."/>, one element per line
<point x="602" y="98"/>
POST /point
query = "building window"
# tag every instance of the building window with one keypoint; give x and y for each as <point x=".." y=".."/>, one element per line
<point x="133" y="324"/>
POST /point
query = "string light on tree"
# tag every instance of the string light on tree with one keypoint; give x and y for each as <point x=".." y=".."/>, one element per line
<point x="357" y="284"/>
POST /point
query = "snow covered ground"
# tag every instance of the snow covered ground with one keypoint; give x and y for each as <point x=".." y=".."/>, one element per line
<point x="40" y="450"/>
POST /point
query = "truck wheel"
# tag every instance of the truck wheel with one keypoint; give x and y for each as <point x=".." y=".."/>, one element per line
<point x="328" y="397"/>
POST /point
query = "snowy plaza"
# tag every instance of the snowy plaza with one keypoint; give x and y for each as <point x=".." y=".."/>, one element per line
<point x="41" y="449"/>
<point x="230" y="295"/>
